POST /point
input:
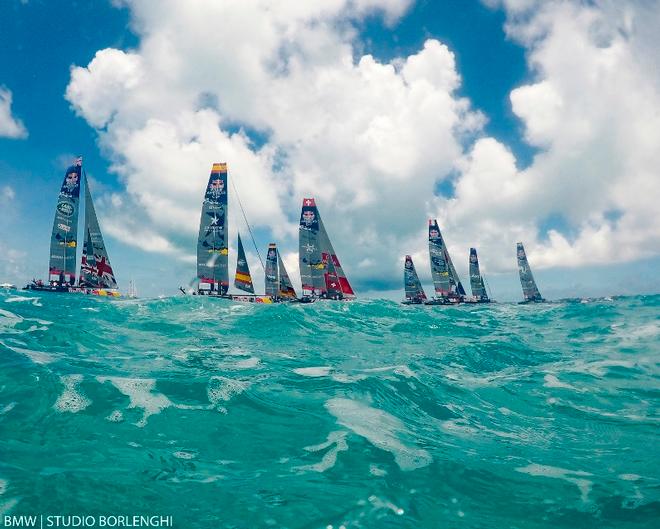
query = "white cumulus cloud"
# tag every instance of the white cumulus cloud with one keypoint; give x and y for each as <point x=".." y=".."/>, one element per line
<point x="287" y="99"/>
<point x="593" y="112"/>
<point x="10" y="126"/>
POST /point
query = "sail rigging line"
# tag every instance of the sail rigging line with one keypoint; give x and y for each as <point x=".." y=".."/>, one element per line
<point x="254" y="243"/>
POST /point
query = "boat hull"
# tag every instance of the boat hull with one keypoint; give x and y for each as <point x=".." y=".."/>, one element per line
<point x="244" y="298"/>
<point x="64" y="289"/>
<point x="412" y="302"/>
<point x="444" y="301"/>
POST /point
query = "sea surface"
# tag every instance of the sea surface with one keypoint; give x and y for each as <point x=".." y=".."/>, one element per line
<point x="366" y="414"/>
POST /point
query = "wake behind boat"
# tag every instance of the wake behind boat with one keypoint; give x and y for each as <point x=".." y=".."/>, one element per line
<point x="96" y="274"/>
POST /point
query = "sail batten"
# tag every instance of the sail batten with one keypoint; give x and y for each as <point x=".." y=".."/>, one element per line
<point x="243" y="278"/>
<point x="212" y="241"/>
<point x="530" y="290"/>
<point x="476" y="280"/>
<point x="413" y="287"/>
<point x="64" y="237"/>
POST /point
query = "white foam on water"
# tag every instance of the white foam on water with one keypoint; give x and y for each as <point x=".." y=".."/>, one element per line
<point x="551" y="381"/>
<point x="19" y="299"/>
<point x="630" y="477"/>
<point x="329" y="459"/>
<point x="402" y="370"/>
<point x="379" y="503"/>
<point x="72" y="400"/>
<point x="638" y="332"/>
<point x="141" y="395"/>
<point x="115" y="416"/>
<point x="92" y="309"/>
<point x="182" y="454"/>
<point x="3" y="486"/>
<point x="379" y="428"/>
<point x="8" y="408"/>
<point x="577" y="477"/>
<point x="222" y="389"/>
<point x="599" y="368"/>
<point x="343" y="378"/>
<point x="248" y="363"/>
<point x="314" y="372"/>
<point x="38" y="357"/>
<point x="375" y="470"/>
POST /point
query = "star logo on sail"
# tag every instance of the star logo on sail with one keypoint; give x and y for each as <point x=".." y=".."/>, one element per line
<point x="309" y="248"/>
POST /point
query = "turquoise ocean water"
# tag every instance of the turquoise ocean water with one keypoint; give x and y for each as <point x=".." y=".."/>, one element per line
<point x="363" y="415"/>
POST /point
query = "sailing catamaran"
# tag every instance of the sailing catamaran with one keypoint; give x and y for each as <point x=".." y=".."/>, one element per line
<point x="96" y="275"/>
<point x="479" y="294"/>
<point x="278" y="284"/>
<point x="213" y="250"/>
<point x="415" y="294"/>
<point x="320" y="271"/>
<point x="448" y="286"/>
<point x="530" y="290"/>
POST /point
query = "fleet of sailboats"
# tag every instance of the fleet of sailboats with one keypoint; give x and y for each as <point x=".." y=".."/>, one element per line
<point x="448" y="287"/>
<point x="321" y="273"/>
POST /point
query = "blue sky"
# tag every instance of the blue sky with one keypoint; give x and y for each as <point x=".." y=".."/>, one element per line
<point x="486" y="129"/>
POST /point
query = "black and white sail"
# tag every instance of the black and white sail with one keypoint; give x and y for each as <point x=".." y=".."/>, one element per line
<point x="530" y="290"/>
<point x="95" y="268"/>
<point x="445" y="278"/>
<point x="272" y="277"/>
<point x="413" y="287"/>
<point x="212" y="242"/>
<point x="476" y="280"/>
<point x="64" y="237"/>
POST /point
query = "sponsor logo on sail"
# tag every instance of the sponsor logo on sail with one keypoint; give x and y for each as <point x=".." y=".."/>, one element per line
<point x="65" y="208"/>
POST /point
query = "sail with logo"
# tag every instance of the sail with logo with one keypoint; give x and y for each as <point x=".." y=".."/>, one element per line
<point x="96" y="274"/>
<point x="320" y="270"/>
<point x="213" y="248"/>
<point x="278" y="284"/>
<point x="415" y="294"/>
<point x="479" y="294"/>
<point x="531" y="292"/>
<point x="95" y="268"/>
<point x="448" y="286"/>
